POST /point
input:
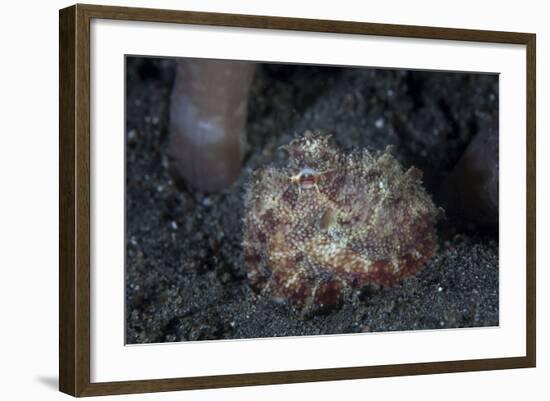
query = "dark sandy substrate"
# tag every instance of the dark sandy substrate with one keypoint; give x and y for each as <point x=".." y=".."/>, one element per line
<point x="185" y="278"/>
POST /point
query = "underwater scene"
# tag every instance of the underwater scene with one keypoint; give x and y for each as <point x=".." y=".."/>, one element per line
<point x="272" y="199"/>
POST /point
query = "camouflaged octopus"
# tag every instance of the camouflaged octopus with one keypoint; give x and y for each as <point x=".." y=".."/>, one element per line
<point x="331" y="222"/>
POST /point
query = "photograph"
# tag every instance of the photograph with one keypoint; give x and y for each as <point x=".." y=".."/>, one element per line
<point x="276" y="199"/>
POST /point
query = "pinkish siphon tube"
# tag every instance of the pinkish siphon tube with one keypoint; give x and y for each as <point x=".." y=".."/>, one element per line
<point x="208" y="121"/>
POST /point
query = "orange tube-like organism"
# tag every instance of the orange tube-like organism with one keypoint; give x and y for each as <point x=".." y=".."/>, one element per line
<point x="208" y="121"/>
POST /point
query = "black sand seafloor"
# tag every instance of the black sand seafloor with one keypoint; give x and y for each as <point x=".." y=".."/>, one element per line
<point x="185" y="276"/>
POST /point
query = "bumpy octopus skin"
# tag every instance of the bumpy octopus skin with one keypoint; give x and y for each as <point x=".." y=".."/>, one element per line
<point x="331" y="222"/>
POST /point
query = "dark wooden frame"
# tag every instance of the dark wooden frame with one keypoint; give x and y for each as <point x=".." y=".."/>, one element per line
<point x="74" y="200"/>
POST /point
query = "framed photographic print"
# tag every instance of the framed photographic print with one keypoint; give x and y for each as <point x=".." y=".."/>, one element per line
<point x="250" y="200"/>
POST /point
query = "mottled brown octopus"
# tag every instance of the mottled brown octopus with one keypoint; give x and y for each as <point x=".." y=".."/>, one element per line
<point x="330" y="222"/>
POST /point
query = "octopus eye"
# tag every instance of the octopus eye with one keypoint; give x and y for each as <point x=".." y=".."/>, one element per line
<point x="307" y="179"/>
